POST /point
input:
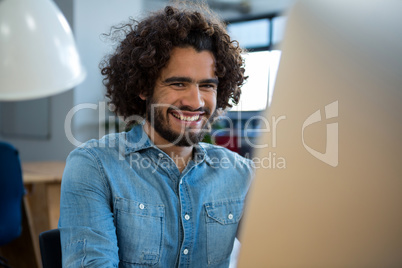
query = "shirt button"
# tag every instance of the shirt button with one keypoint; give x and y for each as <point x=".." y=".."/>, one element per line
<point x="187" y="217"/>
<point x="141" y="206"/>
<point x="181" y="181"/>
<point x="185" y="251"/>
<point x="160" y="155"/>
<point x="230" y="216"/>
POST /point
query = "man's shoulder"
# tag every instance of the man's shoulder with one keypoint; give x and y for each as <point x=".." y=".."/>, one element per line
<point x="107" y="141"/>
<point x="108" y="144"/>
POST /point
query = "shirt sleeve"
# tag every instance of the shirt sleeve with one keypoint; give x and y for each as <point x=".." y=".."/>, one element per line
<point x="87" y="230"/>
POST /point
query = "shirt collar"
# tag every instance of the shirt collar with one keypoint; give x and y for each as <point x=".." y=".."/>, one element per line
<point x="200" y="154"/>
<point x="137" y="140"/>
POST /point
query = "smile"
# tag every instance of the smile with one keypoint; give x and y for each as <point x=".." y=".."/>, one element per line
<point x="186" y="118"/>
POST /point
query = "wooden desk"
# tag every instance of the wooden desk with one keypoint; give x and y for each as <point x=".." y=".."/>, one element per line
<point x="43" y="181"/>
<point x="41" y="211"/>
<point x="42" y="201"/>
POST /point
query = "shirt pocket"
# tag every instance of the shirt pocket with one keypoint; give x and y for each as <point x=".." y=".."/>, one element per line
<point x="222" y="219"/>
<point x="139" y="229"/>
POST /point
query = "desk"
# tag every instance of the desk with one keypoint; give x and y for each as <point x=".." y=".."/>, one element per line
<point x="41" y="210"/>
<point x="43" y="181"/>
<point x="42" y="201"/>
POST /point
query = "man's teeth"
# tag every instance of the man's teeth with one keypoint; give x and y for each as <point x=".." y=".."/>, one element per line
<point x="186" y="118"/>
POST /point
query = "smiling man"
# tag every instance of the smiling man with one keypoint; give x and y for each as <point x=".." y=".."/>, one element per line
<point x="183" y="102"/>
<point x="156" y="195"/>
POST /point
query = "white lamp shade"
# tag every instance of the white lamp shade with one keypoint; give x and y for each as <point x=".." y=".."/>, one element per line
<point x="38" y="56"/>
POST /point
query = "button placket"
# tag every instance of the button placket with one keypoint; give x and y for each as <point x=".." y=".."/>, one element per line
<point x="187" y="224"/>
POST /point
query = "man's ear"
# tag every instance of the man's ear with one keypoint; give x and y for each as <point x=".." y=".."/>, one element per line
<point x="143" y="96"/>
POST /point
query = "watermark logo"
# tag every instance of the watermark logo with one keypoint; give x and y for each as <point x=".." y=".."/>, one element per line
<point x="241" y="133"/>
<point x="330" y="156"/>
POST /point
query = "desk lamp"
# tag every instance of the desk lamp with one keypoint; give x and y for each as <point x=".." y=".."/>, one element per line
<point x="38" y="56"/>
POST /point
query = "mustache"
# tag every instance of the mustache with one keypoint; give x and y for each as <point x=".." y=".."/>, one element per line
<point x="205" y="110"/>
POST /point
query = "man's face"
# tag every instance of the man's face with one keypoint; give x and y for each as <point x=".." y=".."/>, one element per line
<point x="184" y="98"/>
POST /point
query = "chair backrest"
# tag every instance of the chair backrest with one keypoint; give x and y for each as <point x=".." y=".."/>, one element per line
<point x="50" y="248"/>
<point x="11" y="193"/>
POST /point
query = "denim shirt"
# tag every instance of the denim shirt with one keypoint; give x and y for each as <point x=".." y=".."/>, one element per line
<point x="124" y="203"/>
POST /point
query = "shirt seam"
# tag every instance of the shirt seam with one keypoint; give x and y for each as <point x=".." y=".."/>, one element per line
<point x="99" y="167"/>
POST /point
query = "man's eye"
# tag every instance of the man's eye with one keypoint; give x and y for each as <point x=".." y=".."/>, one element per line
<point x="209" y="86"/>
<point x="177" y="84"/>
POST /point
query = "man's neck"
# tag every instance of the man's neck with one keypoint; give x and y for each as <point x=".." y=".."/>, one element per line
<point x="181" y="155"/>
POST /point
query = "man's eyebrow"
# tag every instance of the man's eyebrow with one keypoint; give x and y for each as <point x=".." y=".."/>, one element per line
<point x="209" y="81"/>
<point x="189" y="80"/>
<point x="178" y="79"/>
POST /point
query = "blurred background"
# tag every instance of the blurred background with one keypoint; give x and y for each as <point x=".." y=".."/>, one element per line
<point x="47" y="129"/>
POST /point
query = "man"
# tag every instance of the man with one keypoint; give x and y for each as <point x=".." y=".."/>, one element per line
<point x="156" y="196"/>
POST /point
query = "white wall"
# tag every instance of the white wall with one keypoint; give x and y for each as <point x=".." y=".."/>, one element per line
<point x="267" y="6"/>
<point x="92" y="18"/>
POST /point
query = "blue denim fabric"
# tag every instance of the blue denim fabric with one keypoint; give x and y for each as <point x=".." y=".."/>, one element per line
<point x="124" y="203"/>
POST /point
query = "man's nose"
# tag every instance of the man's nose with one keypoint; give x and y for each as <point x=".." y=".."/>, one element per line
<point x="193" y="97"/>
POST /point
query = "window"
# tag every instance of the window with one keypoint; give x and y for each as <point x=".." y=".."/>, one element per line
<point x="260" y="36"/>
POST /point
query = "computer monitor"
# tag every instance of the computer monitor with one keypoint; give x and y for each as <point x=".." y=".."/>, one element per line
<point x="328" y="185"/>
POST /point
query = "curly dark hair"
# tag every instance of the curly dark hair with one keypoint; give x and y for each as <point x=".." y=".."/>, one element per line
<point x="146" y="47"/>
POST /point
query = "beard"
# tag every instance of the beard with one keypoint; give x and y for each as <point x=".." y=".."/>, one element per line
<point x="188" y="136"/>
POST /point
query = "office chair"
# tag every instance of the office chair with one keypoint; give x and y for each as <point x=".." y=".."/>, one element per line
<point x="11" y="194"/>
<point x="50" y="248"/>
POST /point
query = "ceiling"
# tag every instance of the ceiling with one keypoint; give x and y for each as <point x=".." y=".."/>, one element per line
<point x="233" y="9"/>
